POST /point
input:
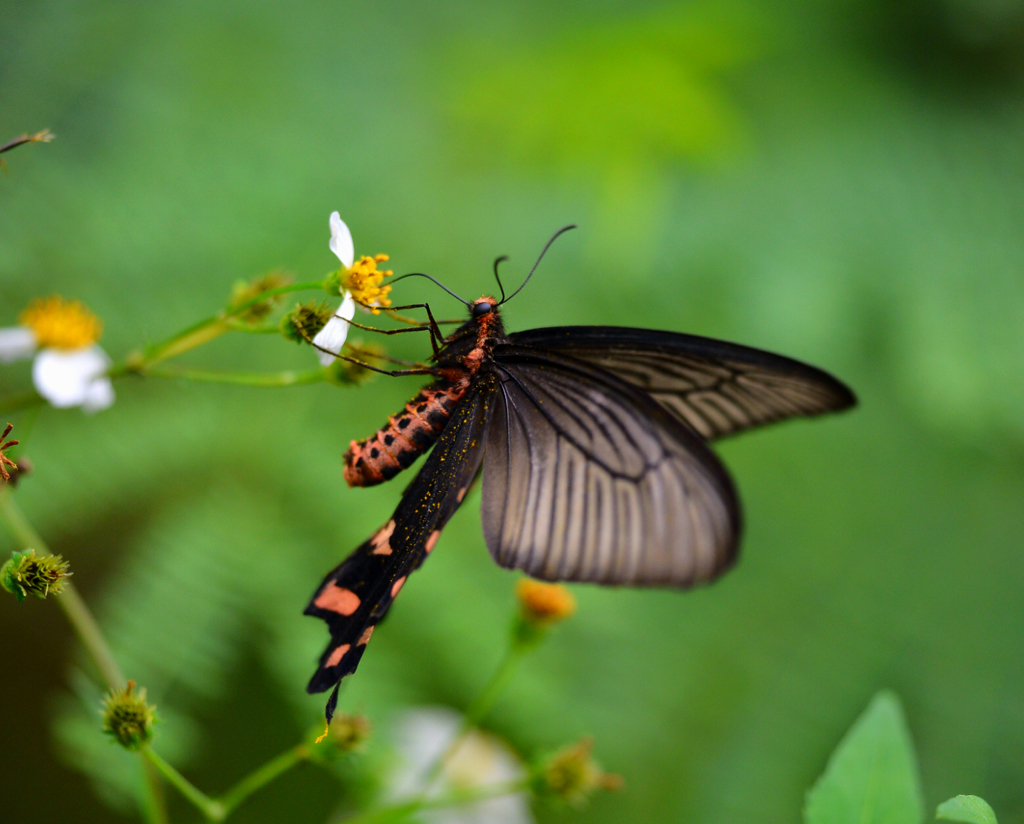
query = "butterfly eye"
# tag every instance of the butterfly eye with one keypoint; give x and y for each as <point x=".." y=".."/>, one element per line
<point x="481" y="309"/>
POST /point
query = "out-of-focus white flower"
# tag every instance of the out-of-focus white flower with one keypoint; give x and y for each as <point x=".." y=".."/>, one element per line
<point x="422" y="737"/>
<point x="360" y="282"/>
<point x="70" y="369"/>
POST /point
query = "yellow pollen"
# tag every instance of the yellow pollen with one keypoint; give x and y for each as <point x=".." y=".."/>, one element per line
<point x="364" y="280"/>
<point x="60" y="323"/>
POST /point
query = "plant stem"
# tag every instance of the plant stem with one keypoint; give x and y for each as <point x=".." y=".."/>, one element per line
<point x="262" y="776"/>
<point x="217" y="809"/>
<point x="188" y="338"/>
<point x="479" y="707"/>
<point x="209" y="807"/>
<point x="198" y="333"/>
<point x="401" y="812"/>
<point x="287" y="378"/>
<point x="84" y="626"/>
<point x="154" y="806"/>
<point x="68" y="599"/>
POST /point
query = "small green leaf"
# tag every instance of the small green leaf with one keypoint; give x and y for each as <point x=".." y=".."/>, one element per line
<point x="872" y="777"/>
<point x="968" y="809"/>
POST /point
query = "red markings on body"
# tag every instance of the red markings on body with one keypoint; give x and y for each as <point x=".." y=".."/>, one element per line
<point x="432" y="539"/>
<point x="381" y="539"/>
<point x="338" y="599"/>
<point x="396" y="587"/>
<point x="337" y="655"/>
<point x="405" y="437"/>
<point x="364" y="639"/>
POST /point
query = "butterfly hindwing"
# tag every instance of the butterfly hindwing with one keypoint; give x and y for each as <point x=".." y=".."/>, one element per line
<point x="715" y="387"/>
<point x="356" y="595"/>
<point x="588" y="479"/>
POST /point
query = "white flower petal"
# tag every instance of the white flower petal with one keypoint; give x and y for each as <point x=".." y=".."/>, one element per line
<point x="16" y="343"/>
<point x="332" y="336"/>
<point x="341" y="241"/>
<point x="422" y="736"/>
<point x="67" y="378"/>
<point x="99" y="394"/>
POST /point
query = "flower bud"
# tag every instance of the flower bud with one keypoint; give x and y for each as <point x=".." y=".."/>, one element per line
<point x="127" y="718"/>
<point x="305" y="320"/>
<point x="244" y="291"/>
<point x="572" y="775"/>
<point x="27" y="573"/>
<point x="544" y="603"/>
<point x="349" y="732"/>
<point x="540" y="606"/>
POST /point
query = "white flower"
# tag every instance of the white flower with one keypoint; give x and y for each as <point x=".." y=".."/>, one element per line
<point x="69" y="368"/>
<point x="331" y="338"/>
<point x="16" y="343"/>
<point x="423" y="737"/>
<point x="75" y="378"/>
<point x="361" y="281"/>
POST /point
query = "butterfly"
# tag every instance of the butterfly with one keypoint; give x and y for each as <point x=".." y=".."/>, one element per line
<point x="593" y="446"/>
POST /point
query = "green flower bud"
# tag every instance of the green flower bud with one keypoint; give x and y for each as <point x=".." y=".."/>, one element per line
<point x="349" y="732"/>
<point x="127" y="718"/>
<point x="305" y="320"/>
<point x="573" y="776"/>
<point x="27" y="573"/>
<point x="244" y="291"/>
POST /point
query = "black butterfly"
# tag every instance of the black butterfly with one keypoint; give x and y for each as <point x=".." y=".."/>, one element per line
<point x="597" y="466"/>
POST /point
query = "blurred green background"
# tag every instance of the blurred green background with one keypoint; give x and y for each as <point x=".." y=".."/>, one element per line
<point x="839" y="182"/>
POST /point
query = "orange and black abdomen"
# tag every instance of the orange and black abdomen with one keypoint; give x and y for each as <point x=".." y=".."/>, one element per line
<point x="405" y="437"/>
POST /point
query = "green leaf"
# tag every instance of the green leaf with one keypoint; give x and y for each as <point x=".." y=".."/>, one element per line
<point x="872" y="777"/>
<point x="968" y="809"/>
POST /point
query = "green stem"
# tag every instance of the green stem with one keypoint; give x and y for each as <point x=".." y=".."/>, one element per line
<point x="401" y="812"/>
<point x="188" y="338"/>
<point x="153" y="804"/>
<point x="262" y="776"/>
<point x="287" y="378"/>
<point x="217" y="809"/>
<point x="481" y="705"/>
<point x="68" y="600"/>
<point x="198" y="333"/>
<point x="84" y="626"/>
<point x="209" y="807"/>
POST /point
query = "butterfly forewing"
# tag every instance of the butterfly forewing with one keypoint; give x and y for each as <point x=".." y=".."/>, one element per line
<point x="588" y="479"/>
<point x="715" y="387"/>
<point x="355" y="596"/>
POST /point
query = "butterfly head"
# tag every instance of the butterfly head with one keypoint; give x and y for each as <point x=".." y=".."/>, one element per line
<point x="483" y="306"/>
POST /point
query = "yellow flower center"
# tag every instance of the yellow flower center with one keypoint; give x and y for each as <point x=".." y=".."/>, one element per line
<point x="61" y="324"/>
<point x="364" y="281"/>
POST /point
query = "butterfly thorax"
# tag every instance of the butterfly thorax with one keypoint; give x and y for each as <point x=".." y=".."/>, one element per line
<point x="411" y="432"/>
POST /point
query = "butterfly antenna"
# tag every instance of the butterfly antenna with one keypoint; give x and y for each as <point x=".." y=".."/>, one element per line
<point x="543" y="252"/>
<point x="497" y="277"/>
<point x="434" y="280"/>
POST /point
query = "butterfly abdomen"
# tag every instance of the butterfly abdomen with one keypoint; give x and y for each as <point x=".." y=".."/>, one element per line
<point x="405" y="437"/>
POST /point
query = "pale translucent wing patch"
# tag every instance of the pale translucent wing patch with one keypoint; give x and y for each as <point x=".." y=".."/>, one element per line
<point x="587" y="479"/>
<point x="715" y="387"/>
